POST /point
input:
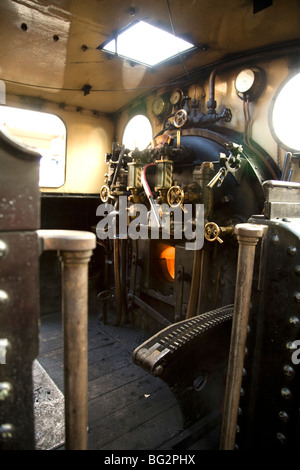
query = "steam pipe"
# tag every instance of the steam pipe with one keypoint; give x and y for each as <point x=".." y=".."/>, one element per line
<point x="286" y="171"/>
<point x="193" y="298"/>
<point x="117" y="277"/>
<point x="123" y="278"/>
<point x="117" y="280"/>
<point x="118" y="167"/>
<point x="212" y="104"/>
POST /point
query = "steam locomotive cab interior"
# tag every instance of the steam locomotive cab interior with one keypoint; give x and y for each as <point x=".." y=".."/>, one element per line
<point x="170" y="169"/>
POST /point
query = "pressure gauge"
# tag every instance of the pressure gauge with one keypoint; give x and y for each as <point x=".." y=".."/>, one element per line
<point x="160" y="106"/>
<point x="176" y="97"/>
<point x="244" y="81"/>
<point x="249" y="83"/>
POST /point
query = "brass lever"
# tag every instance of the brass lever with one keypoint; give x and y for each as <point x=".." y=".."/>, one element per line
<point x="218" y="178"/>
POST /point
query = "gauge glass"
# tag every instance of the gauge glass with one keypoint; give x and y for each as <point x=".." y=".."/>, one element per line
<point x="244" y="81"/>
<point x="158" y="106"/>
<point x="175" y="97"/>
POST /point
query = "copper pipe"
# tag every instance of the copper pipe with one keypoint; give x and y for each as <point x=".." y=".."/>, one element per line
<point x="211" y="104"/>
<point x="248" y="236"/>
<point x="75" y="249"/>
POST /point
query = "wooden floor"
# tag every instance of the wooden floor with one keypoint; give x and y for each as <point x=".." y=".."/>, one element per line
<point x="128" y="408"/>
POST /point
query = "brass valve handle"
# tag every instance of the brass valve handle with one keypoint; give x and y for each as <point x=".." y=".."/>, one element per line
<point x="212" y="231"/>
<point x="180" y="118"/>
<point x="104" y="193"/>
<point x="175" y="197"/>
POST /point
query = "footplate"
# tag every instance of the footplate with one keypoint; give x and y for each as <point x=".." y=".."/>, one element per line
<point x="191" y="357"/>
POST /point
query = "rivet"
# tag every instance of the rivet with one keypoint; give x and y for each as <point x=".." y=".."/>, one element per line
<point x="6" y="431"/>
<point x="199" y="382"/>
<point x="3" y="299"/>
<point x="286" y="393"/>
<point x="288" y="370"/>
<point x="291" y="346"/>
<point x="297" y="270"/>
<point x="132" y="11"/>
<point x="275" y="239"/>
<point x="242" y="392"/>
<point x="283" y="416"/>
<point x="294" y="321"/>
<point x="4" y="347"/>
<point x="5" y="390"/>
<point x="297" y="296"/>
<point x="292" y="250"/>
<point x="281" y="437"/>
<point x="3" y="249"/>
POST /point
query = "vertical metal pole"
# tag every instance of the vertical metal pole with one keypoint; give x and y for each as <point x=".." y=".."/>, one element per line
<point x="248" y="236"/>
<point x="75" y="249"/>
<point x="75" y="314"/>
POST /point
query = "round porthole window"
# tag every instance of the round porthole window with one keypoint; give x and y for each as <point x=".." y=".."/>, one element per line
<point x="284" y="114"/>
<point x="137" y="133"/>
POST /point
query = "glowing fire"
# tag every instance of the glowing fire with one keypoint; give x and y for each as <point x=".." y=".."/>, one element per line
<point x="168" y="255"/>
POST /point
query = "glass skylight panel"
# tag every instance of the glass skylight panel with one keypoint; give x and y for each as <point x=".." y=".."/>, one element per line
<point x="147" y="44"/>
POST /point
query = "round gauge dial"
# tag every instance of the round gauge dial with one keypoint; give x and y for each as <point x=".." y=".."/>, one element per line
<point x="244" y="81"/>
<point x="176" y="97"/>
<point x="160" y="106"/>
<point x="249" y="83"/>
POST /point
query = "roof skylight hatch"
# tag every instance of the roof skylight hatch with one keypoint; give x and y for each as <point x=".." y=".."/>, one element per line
<point x="146" y="44"/>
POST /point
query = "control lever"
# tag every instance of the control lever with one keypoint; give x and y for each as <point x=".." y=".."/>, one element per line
<point x="230" y="163"/>
<point x="212" y="231"/>
<point x="218" y="178"/>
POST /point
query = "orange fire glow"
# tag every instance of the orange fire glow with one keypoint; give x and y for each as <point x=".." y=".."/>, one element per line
<point x="168" y="254"/>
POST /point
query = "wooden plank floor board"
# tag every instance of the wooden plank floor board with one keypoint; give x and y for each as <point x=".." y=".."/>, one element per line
<point x="118" y="429"/>
<point x="145" y="436"/>
<point x="128" y="408"/>
<point x="114" y="380"/>
<point x="128" y="395"/>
